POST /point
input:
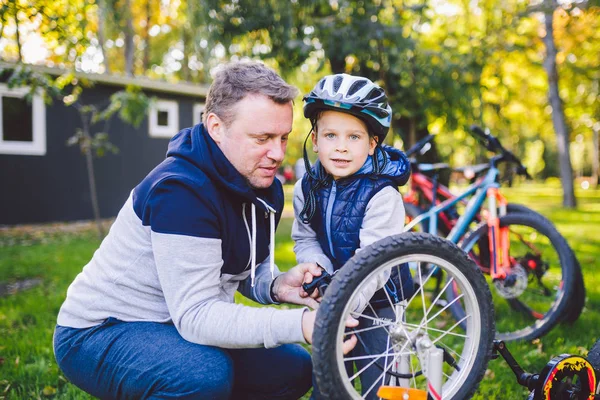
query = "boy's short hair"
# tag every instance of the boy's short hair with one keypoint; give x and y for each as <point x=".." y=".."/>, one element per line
<point x="236" y="80"/>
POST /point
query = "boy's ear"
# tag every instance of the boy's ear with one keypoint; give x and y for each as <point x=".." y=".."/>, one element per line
<point x="314" y="140"/>
<point x="373" y="143"/>
<point x="215" y="127"/>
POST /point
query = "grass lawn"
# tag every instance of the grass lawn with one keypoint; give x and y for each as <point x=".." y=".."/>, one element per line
<point x="27" y="318"/>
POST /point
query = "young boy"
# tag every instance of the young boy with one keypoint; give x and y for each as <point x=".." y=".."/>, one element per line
<point x="349" y="198"/>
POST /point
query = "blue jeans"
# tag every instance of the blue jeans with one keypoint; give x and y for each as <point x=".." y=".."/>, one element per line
<point x="148" y="360"/>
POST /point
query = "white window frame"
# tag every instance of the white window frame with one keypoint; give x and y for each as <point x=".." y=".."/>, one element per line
<point x="172" y="109"/>
<point x="198" y="108"/>
<point x="37" y="147"/>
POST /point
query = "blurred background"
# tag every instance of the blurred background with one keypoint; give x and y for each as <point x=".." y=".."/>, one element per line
<point x="527" y="70"/>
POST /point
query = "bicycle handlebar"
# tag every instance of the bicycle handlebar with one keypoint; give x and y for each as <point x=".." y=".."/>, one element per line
<point x="419" y="145"/>
<point x="493" y="144"/>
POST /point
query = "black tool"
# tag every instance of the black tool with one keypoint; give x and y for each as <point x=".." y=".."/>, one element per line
<point x="320" y="283"/>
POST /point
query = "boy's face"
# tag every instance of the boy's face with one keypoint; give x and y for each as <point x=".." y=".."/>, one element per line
<point x="342" y="142"/>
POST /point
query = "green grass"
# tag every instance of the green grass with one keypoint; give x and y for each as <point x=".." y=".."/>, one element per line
<point x="28" y="369"/>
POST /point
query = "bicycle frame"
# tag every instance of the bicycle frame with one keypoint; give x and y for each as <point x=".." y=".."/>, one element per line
<point x="478" y="192"/>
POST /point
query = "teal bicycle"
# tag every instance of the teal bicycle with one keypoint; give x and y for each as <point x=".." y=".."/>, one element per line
<point x="534" y="275"/>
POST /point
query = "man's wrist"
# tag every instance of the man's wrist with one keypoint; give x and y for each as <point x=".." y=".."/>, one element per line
<point x="272" y="290"/>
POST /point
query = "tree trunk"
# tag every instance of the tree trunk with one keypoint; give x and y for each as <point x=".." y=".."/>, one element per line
<point x="89" y="160"/>
<point x="595" y="157"/>
<point x="336" y="60"/>
<point x="412" y="132"/>
<point x="18" y="37"/>
<point x="101" y="34"/>
<point x="3" y="13"/>
<point x="188" y="48"/>
<point x="558" y="116"/>
<point x="146" y="58"/>
<point x="129" y="46"/>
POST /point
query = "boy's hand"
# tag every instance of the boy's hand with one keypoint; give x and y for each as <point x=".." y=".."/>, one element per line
<point x="288" y="286"/>
<point x="308" y="326"/>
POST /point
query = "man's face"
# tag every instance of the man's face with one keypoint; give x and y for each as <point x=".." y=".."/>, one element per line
<point x="256" y="140"/>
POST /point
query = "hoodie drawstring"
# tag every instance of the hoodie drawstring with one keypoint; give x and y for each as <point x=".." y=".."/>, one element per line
<point x="252" y="238"/>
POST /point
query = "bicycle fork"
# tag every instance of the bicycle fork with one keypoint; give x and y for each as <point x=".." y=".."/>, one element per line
<point x="498" y="236"/>
<point x="431" y="359"/>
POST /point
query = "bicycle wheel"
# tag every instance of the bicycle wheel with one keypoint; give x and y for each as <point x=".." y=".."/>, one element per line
<point x="542" y="272"/>
<point x="406" y="328"/>
<point x="577" y="301"/>
<point x="594" y="356"/>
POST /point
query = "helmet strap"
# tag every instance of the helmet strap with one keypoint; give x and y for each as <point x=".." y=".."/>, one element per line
<point x="307" y="165"/>
<point x="378" y="167"/>
<point x="315" y="183"/>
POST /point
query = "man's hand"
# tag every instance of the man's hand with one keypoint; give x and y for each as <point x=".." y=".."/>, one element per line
<point x="308" y="326"/>
<point x="288" y="286"/>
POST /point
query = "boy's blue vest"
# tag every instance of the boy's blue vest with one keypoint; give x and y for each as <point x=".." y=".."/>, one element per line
<point x="351" y="198"/>
<point x="340" y="241"/>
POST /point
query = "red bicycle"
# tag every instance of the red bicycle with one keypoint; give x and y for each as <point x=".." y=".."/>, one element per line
<point x="530" y="266"/>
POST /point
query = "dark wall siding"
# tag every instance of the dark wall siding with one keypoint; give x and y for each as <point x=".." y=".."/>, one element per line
<point x="54" y="187"/>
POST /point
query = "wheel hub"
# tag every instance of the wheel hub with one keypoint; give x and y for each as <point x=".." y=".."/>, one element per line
<point x="514" y="284"/>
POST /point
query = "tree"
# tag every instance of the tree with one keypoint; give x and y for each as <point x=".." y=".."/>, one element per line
<point x="130" y="104"/>
<point x="558" y="116"/>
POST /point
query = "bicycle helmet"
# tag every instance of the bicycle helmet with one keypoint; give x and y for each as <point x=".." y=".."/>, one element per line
<point x="354" y="95"/>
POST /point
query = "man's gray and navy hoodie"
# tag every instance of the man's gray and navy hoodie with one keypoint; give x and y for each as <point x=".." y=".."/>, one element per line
<point x="189" y="235"/>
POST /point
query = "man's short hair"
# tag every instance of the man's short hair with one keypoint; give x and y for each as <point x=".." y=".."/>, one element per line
<point x="236" y="80"/>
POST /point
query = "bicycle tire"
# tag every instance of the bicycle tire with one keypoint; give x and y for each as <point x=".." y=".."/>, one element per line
<point x="577" y="301"/>
<point x="544" y="322"/>
<point x="331" y="377"/>
<point x="593" y="356"/>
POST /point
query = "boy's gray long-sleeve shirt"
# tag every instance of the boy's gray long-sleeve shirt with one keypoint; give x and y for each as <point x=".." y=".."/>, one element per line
<point x="384" y="216"/>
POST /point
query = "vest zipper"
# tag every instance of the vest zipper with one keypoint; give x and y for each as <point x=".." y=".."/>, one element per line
<point x="328" y="215"/>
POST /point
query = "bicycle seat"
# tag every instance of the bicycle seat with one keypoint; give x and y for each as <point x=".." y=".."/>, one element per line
<point x="432" y="167"/>
<point x="471" y="171"/>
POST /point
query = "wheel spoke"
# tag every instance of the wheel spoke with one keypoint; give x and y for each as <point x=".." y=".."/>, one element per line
<point x="371" y="363"/>
<point x="423" y="291"/>
<point x="443" y="309"/>
<point x="385" y="370"/>
<point x="448" y="331"/>
<point x="352" y="332"/>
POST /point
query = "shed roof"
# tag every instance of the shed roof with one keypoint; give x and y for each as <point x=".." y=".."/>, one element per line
<point x="182" y="88"/>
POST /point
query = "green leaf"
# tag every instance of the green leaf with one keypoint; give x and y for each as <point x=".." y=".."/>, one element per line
<point x="49" y="391"/>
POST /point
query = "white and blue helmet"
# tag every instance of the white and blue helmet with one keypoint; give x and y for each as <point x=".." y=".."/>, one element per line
<point x="354" y="95"/>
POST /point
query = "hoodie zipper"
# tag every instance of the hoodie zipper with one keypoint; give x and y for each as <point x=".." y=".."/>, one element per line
<point x="330" y="202"/>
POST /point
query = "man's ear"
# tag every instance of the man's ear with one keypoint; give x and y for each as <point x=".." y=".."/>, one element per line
<point x="215" y="127"/>
<point x="373" y="143"/>
<point x="314" y="140"/>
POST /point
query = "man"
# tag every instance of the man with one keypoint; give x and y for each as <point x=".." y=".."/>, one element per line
<point x="152" y="314"/>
